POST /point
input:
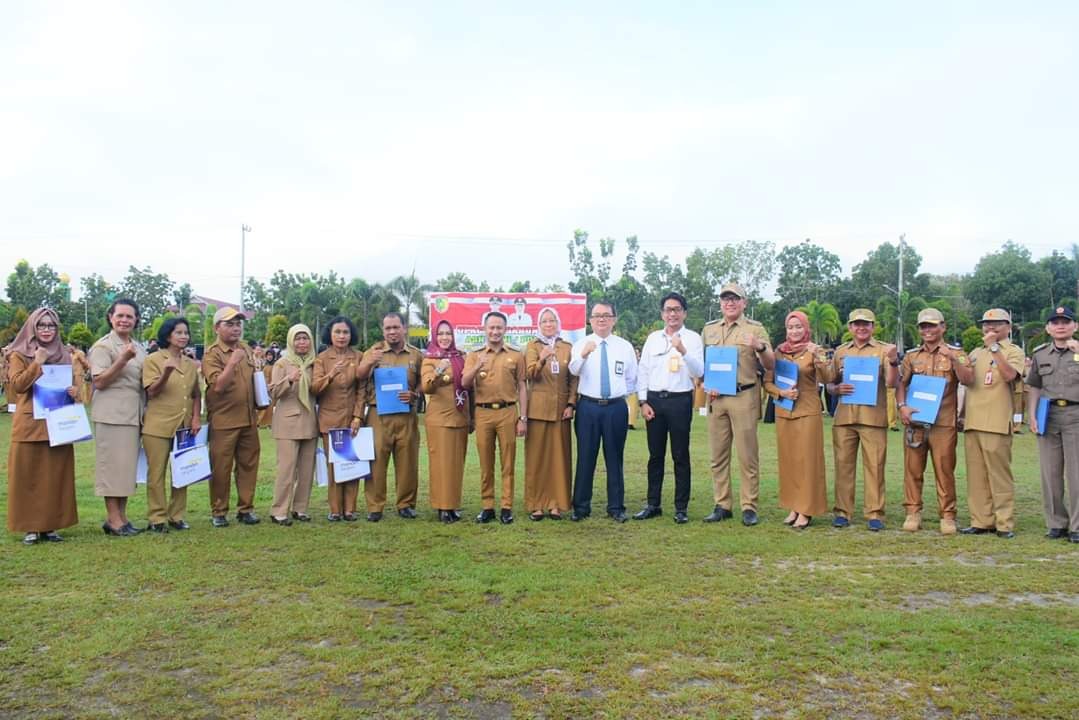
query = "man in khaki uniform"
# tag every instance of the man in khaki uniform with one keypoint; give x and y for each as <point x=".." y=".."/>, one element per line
<point x="987" y="436"/>
<point x="497" y="376"/>
<point x="734" y="417"/>
<point x="1054" y="373"/>
<point x="396" y="435"/>
<point x="229" y="368"/>
<point x="864" y="426"/>
<point x="936" y="359"/>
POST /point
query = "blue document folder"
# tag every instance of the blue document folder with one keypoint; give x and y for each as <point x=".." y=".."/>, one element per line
<point x="721" y="369"/>
<point x="924" y="395"/>
<point x="863" y="373"/>
<point x="786" y="378"/>
<point x="389" y="382"/>
<point x="1041" y="413"/>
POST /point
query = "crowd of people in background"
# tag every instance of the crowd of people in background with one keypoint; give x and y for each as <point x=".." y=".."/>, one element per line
<point x="547" y="392"/>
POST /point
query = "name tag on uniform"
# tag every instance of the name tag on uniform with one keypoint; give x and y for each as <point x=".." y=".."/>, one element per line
<point x="619" y="367"/>
<point x="554" y="367"/>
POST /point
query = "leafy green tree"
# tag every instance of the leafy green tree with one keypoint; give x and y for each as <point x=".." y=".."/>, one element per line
<point x="889" y="320"/>
<point x="411" y="295"/>
<point x="32" y="287"/>
<point x="1063" y="272"/>
<point x="208" y="332"/>
<point x="824" y="321"/>
<point x="881" y="268"/>
<point x="366" y="303"/>
<point x="277" y="330"/>
<point x="16" y="320"/>
<point x="197" y="322"/>
<point x="456" y="282"/>
<point x="80" y="335"/>
<point x="182" y="295"/>
<point x="806" y="272"/>
<point x="152" y="291"/>
<point x="971" y="338"/>
<point x="1009" y="279"/>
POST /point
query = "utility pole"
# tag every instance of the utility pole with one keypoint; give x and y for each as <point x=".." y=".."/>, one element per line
<point x="244" y="229"/>
<point x="899" y="295"/>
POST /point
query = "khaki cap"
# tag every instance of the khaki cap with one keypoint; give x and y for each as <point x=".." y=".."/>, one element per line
<point x="861" y="314"/>
<point x="225" y="314"/>
<point x="996" y="315"/>
<point x="732" y="288"/>
<point x="931" y="316"/>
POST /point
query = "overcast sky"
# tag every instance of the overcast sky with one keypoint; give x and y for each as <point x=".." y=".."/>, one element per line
<point x="374" y="137"/>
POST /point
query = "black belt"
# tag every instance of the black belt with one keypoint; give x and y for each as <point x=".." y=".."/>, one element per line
<point x="601" y="401"/>
<point x="668" y="394"/>
<point x="747" y="386"/>
<point x="497" y="405"/>
<point x="1063" y="403"/>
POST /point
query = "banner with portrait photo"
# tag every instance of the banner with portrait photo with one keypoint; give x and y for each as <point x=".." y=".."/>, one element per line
<point x="466" y="311"/>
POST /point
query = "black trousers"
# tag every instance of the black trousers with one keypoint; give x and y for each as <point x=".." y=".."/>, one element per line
<point x="674" y="414"/>
<point x="595" y="424"/>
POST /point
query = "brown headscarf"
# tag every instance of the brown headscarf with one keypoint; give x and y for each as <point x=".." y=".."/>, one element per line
<point x="793" y="348"/>
<point x="457" y="363"/>
<point x="26" y="342"/>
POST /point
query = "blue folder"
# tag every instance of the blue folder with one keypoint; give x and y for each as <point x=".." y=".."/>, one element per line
<point x="389" y="382"/>
<point x="786" y="378"/>
<point x="721" y="369"/>
<point x="1041" y="414"/>
<point x="924" y="395"/>
<point x="864" y="374"/>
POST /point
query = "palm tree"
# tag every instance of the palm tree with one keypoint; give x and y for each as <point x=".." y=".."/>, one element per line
<point x="369" y="297"/>
<point x="823" y="320"/>
<point x="410" y="292"/>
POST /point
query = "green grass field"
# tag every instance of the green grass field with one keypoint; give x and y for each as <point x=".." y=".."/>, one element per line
<point x="415" y="619"/>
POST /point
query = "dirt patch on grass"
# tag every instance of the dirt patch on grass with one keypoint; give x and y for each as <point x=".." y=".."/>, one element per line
<point x="939" y="599"/>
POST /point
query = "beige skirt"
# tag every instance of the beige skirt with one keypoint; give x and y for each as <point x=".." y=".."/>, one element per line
<point x="117" y="450"/>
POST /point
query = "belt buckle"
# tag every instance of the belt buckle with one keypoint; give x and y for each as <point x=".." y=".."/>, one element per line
<point x="1060" y="403"/>
<point x="604" y="401"/>
<point x="496" y="406"/>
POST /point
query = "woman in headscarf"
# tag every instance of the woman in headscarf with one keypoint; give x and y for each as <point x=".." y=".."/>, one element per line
<point x="800" y="432"/>
<point x="295" y="427"/>
<point x="447" y="421"/>
<point x="116" y="366"/>
<point x="552" y="394"/>
<point x="174" y="401"/>
<point x="40" y="479"/>
<point x="340" y="405"/>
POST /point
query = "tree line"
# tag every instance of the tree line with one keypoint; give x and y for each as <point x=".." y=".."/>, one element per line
<point x="805" y="275"/>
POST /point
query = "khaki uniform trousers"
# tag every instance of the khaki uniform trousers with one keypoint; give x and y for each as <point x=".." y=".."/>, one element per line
<point x="940" y="442"/>
<point x="893" y="411"/>
<point x="239" y="447"/>
<point x="874" y="443"/>
<point x="990" y="485"/>
<point x="496" y="427"/>
<point x="1058" y="449"/>
<point x="734" y="418"/>
<point x="340" y="497"/>
<point x="158" y="450"/>
<point x="634" y="406"/>
<point x="396" y="436"/>
<point x="295" y="473"/>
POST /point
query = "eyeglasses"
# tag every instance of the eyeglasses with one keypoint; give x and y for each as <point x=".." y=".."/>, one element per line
<point x="603" y="316"/>
<point x="673" y="310"/>
<point x="46" y="326"/>
<point x="728" y="299"/>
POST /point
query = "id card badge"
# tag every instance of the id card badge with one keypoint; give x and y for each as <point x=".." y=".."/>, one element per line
<point x="989" y="376"/>
<point x="674" y="362"/>
<point x="554" y="367"/>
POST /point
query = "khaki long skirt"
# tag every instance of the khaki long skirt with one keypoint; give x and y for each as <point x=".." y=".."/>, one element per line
<point x="40" y="487"/>
<point x="446" y="448"/>
<point x="117" y="449"/>
<point x="548" y="475"/>
<point x="800" y="444"/>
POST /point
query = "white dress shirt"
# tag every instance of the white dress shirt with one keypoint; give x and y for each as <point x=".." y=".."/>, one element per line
<point x="621" y="361"/>
<point x="658" y="357"/>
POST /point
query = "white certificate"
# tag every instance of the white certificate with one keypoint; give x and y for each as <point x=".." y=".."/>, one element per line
<point x="68" y="425"/>
<point x="322" y="473"/>
<point x="262" y="393"/>
<point x="190" y="466"/>
<point x="142" y="467"/>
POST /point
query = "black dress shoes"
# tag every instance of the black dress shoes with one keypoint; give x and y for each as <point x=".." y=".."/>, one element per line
<point x="51" y="536"/>
<point x="650" y="511"/>
<point x="159" y="528"/>
<point x="1005" y="534"/>
<point x="333" y="517"/>
<point x="680" y="517"/>
<point x="286" y="521"/>
<point x="445" y="516"/>
<point x="179" y="525"/>
<point x="972" y="530"/>
<point x="132" y="530"/>
<point x="374" y="516"/>
<point x="506" y="516"/>
<point x="1056" y="533"/>
<point x="1073" y="537"/>
<point x="486" y="516"/>
<point x="407" y="513"/>
<point x="248" y="518"/>
<point x="302" y="517"/>
<point x="536" y="516"/>
<point x="719" y="513"/>
<point x="350" y="517"/>
<point x="220" y="521"/>
<point x="618" y="516"/>
<point x="123" y="531"/>
<point x="749" y="518"/>
<point x="576" y="517"/>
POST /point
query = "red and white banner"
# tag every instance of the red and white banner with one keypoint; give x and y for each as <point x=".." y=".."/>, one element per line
<point x="466" y="311"/>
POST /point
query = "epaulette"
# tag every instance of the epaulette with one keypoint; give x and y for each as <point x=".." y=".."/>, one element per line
<point x="1043" y="345"/>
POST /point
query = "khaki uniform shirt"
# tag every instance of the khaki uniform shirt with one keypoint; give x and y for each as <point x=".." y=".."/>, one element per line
<point x="988" y="407"/>
<point x="1055" y="372"/>
<point x="812" y="369"/>
<point x="123" y="401"/>
<point x="172" y="408"/>
<point x="872" y="415"/>
<point x="340" y="396"/>
<point x="497" y="384"/>
<point x="549" y="392"/>
<point x="923" y="362"/>
<point x="291" y="420"/>
<point x="234" y="407"/>
<point x="407" y="356"/>
<point x="720" y="332"/>
<point x="442" y="410"/>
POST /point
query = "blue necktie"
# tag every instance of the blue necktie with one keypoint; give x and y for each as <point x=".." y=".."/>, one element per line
<point x="604" y="372"/>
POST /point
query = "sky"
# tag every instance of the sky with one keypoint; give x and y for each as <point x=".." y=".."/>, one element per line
<point x="374" y="138"/>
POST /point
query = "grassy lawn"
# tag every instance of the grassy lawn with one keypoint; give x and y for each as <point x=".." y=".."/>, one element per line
<point x="556" y="620"/>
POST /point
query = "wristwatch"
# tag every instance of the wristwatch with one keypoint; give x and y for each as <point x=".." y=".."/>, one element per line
<point x="994" y="348"/>
<point x="900" y="404"/>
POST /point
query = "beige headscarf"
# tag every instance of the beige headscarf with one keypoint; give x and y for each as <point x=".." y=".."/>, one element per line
<point x="301" y="361"/>
<point x="26" y="342"/>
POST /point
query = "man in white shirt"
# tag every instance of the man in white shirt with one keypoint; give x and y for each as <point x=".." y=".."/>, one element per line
<point x="670" y="360"/>
<point x="607" y="368"/>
